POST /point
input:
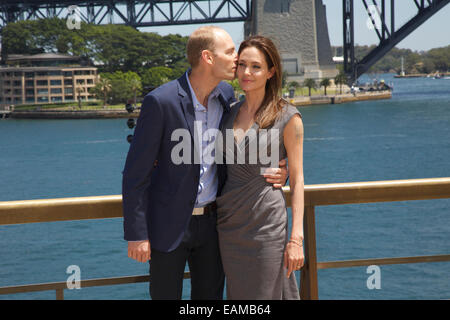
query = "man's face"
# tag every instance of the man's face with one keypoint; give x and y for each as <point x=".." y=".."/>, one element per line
<point x="225" y="57"/>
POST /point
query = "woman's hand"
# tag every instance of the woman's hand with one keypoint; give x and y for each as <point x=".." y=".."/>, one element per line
<point x="293" y="257"/>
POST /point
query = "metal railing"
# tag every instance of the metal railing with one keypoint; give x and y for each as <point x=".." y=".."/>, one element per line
<point x="101" y="207"/>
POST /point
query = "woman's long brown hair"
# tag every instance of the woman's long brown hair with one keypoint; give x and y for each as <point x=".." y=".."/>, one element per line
<point x="272" y="103"/>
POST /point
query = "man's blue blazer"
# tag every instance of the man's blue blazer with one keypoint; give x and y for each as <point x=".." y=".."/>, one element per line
<point x="158" y="199"/>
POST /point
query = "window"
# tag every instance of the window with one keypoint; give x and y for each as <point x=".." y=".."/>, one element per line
<point x="290" y="66"/>
<point x="42" y="91"/>
<point x="56" y="99"/>
<point x="56" y="90"/>
<point x="67" y="73"/>
<point x="68" y="82"/>
<point x="42" y="99"/>
<point x="30" y="92"/>
<point x="42" y="83"/>
<point x="68" y="90"/>
<point x="17" y="83"/>
<point x="285" y="5"/>
<point x="29" y="83"/>
<point x="55" y="82"/>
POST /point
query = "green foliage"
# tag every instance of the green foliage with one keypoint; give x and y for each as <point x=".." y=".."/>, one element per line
<point x="102" y="89"/>
<point x="112" y="47"/>
<point x="340" y="79"/>
<point x="236" y="87"/>
<point x="325" y="83"/>
<point x="284" y="76"/>
<point x="437" y="59"/>
<point x="125" y="86"/>
<point x="156" y="76"/>
<point x="293" y="84"/>
<point x="310" y="84"/>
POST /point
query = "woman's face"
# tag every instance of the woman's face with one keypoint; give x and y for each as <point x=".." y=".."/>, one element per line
<point x="253" y="71"/>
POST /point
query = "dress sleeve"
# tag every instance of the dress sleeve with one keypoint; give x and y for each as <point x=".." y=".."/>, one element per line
<point x="288" y="112"/>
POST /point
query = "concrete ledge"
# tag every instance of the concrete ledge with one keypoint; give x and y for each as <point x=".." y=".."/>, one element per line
<point x="342" y="98"/>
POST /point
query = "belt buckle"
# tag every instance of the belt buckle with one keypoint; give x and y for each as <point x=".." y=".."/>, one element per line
<point x="198" y="211"/>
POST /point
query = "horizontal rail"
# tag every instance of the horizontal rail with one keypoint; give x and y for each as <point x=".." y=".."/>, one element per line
<point x="101" y="207"/>
<point x="83" y="284"/>
<point x="382" y="261"/>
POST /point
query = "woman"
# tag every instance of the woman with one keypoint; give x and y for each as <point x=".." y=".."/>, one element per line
<point x="252" y="222"/>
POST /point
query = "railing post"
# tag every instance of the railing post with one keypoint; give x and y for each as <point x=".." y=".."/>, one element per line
<point x="60" y="294"/>
<point x="308" y="275"/>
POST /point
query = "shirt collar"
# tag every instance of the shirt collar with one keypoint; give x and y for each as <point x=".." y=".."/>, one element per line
<point x="214" y="94"/>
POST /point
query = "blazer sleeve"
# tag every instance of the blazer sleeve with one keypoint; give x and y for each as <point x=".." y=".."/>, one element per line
<point x="142" y="154"/>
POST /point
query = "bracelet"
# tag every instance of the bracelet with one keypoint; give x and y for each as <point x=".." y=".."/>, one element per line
<point x="300" y="244"/>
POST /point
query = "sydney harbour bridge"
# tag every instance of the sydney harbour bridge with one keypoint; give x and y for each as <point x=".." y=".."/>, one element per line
<point x="148" y="13"/>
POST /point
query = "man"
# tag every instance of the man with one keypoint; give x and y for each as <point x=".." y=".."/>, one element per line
<point x="169" y="209"/>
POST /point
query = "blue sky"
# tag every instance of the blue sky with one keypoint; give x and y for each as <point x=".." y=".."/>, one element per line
<point x="431" y="34"/>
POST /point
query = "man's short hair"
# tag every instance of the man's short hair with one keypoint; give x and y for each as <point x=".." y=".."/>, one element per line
<point x="201" y="39"/>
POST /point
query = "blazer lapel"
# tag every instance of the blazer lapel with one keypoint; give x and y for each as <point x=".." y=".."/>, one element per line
<point x="186" y="103"/>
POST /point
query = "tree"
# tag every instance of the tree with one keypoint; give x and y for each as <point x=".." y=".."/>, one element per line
<point x="79" y="91"/>
<point x="101" y="89"/>
<point x="135" y="86"/>
<point x="310" y="84"/>
<point x="124" y="85"/>
<point x="236" y="87"/>
<point x="325" y="83"/>
<point x="340" y="79"/>
<point x="284" y="79"/>
<point x="156" y="76"/>
<point x="294" y="84"/>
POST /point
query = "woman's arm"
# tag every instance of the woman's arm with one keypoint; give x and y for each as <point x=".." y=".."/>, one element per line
<point x="293" y="141"/>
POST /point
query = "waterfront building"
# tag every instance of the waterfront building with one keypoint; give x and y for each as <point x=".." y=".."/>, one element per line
<point x="45" y="79"/>
<point x="299" y="28"/>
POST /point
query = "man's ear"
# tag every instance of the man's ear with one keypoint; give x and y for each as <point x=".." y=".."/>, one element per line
<point x="207" y="56"/>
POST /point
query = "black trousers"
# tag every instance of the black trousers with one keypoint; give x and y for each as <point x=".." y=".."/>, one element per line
<point x="200" y="248"/>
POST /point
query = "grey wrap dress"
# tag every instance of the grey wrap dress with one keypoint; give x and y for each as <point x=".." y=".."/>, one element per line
<point x="252" y="221"/>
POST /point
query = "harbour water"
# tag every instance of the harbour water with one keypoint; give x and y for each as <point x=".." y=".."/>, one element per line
<point x="406" y="137"/>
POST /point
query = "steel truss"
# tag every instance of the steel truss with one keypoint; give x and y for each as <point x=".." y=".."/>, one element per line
<point x="388" y="35"/>
<point x="135" y="13"/>
<point x="146" y="13"/>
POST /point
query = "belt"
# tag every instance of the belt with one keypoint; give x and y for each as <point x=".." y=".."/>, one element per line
<point x="206" y="210"/>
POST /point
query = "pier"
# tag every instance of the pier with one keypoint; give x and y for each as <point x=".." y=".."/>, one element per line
<point x="103" y="207"/>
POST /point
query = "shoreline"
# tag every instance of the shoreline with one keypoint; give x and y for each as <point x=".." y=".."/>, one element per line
<point x="72" y="114"/>
<point x="340" y="98"/>
<point x="123" y="114"/>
